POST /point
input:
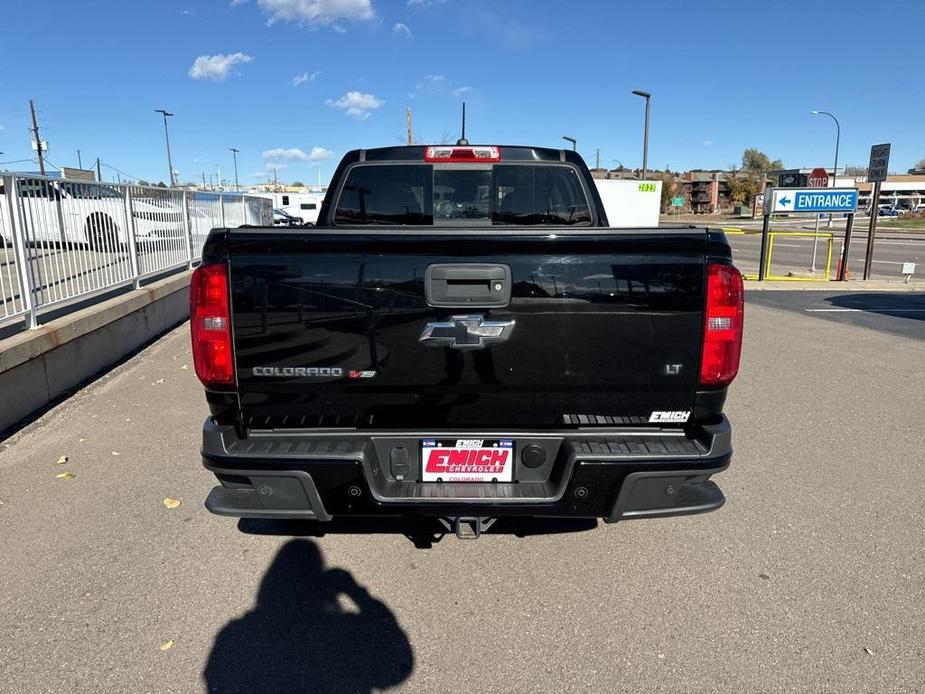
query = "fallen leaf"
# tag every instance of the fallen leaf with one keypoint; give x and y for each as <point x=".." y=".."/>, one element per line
<point x="172" y="503"/>
<point x="115" y="452"/>
<point x="81" y="440"/>
<point x="868" y="651"/>
<point x="167" y="645"/>
<point x="127" y="419"/>
<point x="66" y="475"/>
<point x="184" y="368"/>
<point x="160" y="380"/>
<point x="62" y="460"/>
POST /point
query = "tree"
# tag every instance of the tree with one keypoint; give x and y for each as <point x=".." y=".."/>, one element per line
<point x="754" y="161"/>
<point x="855" y="171"/>
<point x="298" y="184"/>
<point x="920" y="164"/>
<point x="743" y="186"/>
<point x="667" y="189"/>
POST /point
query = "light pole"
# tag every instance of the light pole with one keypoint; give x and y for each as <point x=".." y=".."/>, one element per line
<point x="572" y="140"/>
<point x="645" y="138"/>
<point x="234" y="153"/>
<point x="837" y="141"/>
<point x="173" y="182"/>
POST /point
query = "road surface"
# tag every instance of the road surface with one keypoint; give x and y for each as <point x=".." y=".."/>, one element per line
<point x="793" y="254"/>
<point x="809" y="579"/>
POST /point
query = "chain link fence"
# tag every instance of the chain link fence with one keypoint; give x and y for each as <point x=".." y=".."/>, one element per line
<point x="62" y="241"/>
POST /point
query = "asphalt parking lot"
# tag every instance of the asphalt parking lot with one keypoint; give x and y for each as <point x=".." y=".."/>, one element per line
<point x="809" y="579"/>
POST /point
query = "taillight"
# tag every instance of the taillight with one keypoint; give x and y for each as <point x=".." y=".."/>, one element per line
<point x="722" y="330"/>
<point x="210" y="325"/>
<point x="469" y="153"/>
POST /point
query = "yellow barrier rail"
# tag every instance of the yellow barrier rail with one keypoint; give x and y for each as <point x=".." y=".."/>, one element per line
<point x="772" y="236"/>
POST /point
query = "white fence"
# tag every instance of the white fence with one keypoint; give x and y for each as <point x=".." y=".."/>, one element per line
<point x="63" y="241"/>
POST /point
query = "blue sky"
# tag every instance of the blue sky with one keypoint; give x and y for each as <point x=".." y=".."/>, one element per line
<point x="724" y="76"/>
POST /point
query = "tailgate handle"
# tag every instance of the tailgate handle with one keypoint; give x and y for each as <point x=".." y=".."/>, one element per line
<point x="467" y="284"/>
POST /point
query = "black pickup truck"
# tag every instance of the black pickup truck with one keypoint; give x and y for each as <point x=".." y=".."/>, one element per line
<point x="463" y="337"/>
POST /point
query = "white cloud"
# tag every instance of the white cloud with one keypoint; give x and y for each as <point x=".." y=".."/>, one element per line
<point x="235" y="3"/>
<point x="413" y="4"/>
<point x="320" y="154"/>
<point x="268" y="169"/>
<point x="400" y="30"/>
<point x="433" y="84"/>
<point x="186" y="12"/>
<point x="283" y="153"/>
<point x="216" y="67"/>
<point x="462" y="91"/>
<point x="707" y="143"/>
<point x="356" y="104"/>
<point x="317" y="12"/>
<point x="305" y="77"/>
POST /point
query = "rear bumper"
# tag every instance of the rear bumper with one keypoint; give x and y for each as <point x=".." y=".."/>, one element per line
<point x="614" y="475"/>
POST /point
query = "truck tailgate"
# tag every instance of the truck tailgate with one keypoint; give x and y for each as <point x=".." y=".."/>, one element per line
<point x="334" y="328"/>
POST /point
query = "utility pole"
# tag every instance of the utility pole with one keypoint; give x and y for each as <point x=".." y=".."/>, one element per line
<point x="203" y="180"/>
<point x="79" y="163"/>
<point x="234" y="153"/>
<point x="597" y="159"/>
<point x="99" y="174"/>
<point x="408" y="125"/>
<point x="38" y="140"/>
<point x="173" y="183"/>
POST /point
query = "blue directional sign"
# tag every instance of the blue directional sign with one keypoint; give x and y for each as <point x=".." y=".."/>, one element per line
<point x="815" y="200"/>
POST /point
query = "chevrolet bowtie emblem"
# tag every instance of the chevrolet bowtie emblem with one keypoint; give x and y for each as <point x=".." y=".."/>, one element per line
<point x="466" y="332"/>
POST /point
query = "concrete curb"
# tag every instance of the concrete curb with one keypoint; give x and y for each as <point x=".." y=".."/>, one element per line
<point x="849" y="286"/>
<point x="39" y="365"/>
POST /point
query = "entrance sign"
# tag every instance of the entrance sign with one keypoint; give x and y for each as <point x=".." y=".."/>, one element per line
<point x="814" y="200"/>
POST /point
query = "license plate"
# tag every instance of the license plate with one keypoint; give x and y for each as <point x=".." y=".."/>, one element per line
<point x="467" y="460"/>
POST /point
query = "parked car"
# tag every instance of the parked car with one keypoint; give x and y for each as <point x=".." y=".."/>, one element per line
<point x="78" y="212"/>
<point x="463" y="337"/>
<point x="282" y="218"/>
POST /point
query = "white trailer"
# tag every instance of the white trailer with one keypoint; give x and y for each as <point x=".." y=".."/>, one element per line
<point x="303" y="205"/>
<point x="630" y="203"/>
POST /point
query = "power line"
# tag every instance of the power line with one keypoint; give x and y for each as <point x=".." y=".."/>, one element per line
<point x="117" y="170"/>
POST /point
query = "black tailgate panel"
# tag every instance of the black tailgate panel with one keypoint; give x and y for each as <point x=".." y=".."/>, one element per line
<point x="606" y="325"/>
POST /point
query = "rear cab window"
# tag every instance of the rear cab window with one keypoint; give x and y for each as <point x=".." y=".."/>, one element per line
<point x="463" y="195"/>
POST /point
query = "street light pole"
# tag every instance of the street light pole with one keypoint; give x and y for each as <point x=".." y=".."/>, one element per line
<point x="572" y="140"/>
<point x="645" y="138"/>
<point x="234" y="153"/>
<point x="173" y="182"/>
<point x="837" y="142"/>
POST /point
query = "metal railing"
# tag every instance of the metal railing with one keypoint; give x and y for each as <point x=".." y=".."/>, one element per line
<point x="795" y="274"/>
<point x="63" y="240"/>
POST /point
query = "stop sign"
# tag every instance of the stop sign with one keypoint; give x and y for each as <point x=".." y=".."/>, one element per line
<point x="819" y="178"/>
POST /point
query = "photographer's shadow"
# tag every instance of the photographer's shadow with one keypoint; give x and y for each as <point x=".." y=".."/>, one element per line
<point x="312" y="630"/>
